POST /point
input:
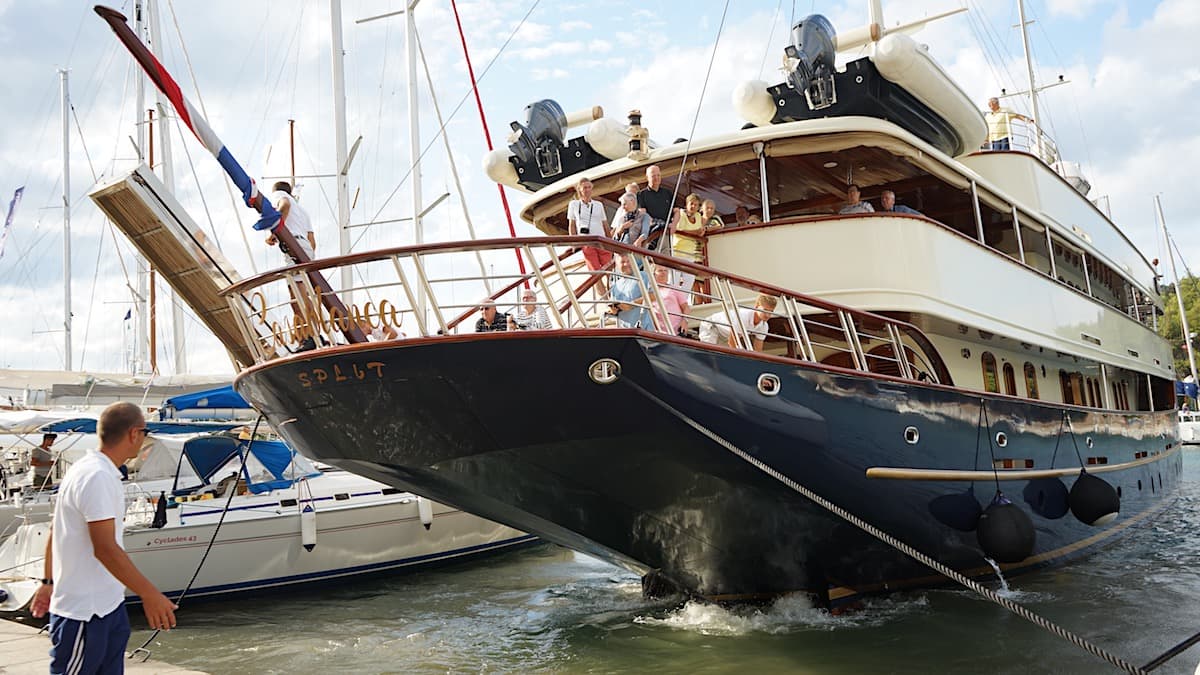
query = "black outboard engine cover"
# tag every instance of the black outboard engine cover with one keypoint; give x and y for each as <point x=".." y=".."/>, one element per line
<point x="541" y="153"/>
<point x="541" y="137"/>
<point x="811" y="61"/>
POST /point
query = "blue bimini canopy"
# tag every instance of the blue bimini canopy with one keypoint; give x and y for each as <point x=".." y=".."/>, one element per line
<point x="87" y="425"/>
<point x="271" y="465"/>
<point x="221" y="398"/>
<point x="1188" y="389"/>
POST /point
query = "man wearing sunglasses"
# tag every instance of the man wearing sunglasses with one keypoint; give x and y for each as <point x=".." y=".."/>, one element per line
<point x="86" y="568"/>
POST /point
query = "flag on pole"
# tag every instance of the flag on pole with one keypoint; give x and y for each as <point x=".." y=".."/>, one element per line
<point x="12" y="207"/>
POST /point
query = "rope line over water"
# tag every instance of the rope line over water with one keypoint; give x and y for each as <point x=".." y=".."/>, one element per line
<point x="888" y="539"/>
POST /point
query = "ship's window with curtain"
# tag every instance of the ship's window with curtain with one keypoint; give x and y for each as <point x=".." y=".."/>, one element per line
<point x="1031" y="383"/>
<point x="991" y="380"/>
<point x="1010" y="380"/>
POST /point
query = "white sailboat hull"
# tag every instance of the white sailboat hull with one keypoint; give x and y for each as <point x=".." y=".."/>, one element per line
<point x="259" y="546"/>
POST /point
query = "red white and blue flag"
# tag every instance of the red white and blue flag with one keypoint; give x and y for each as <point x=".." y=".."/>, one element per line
<point x="12" y="208"/>
<point x="194" y="121"/>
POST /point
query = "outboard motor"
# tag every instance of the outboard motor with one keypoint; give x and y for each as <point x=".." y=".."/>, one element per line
<point x="810" y="61"/>
<point x="541" y="137"/>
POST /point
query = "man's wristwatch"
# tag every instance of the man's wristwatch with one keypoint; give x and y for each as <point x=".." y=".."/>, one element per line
<point x="47" y="582"/>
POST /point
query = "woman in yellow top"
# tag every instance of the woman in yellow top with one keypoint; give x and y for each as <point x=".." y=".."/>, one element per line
<point x="689" y="248"/>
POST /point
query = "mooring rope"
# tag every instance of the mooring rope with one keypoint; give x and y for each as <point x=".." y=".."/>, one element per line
<point x="888" y="539"/>
<point x="212" y="540"/>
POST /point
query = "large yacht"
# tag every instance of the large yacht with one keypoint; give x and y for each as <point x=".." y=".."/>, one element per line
<point x="979" y="379"/>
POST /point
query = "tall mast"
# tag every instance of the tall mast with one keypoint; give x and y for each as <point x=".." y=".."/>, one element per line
<point x="168" y="174"/>
<point x="414" y="134"/>
<point x="66" y="198"/>
<point x="339" y="130"/>
<point x="141" y="313"/>
<point x="1187" y="335"/>
<point x="1033" y="91"/>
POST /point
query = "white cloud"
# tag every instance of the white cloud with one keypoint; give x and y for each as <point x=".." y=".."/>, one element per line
<point x="1073" y="8"/>
<point x="568" y="26"/>
<point x="548" y="73"/>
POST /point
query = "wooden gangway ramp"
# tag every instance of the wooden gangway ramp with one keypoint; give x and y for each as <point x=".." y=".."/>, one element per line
<point x="166" y="235"/>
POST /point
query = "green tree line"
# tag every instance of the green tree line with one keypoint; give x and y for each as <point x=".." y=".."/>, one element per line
<point x="1171" y="328"/>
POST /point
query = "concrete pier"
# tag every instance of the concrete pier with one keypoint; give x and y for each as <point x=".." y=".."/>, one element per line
<point x="25" y="650"/>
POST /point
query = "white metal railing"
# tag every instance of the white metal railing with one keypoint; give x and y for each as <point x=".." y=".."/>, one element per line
<point x="283" y="311"/>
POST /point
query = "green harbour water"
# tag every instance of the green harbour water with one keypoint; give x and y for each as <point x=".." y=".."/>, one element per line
<point x="549" y="610"/>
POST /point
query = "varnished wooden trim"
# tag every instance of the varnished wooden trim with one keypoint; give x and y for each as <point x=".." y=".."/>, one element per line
<point x="902" y="473"/>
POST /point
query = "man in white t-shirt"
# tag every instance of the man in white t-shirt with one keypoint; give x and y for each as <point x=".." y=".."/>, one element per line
<point x="715" y="331"/>
<point x="86" y="568"/>
<point x="295" y="219"/>
<point x="586" y="216"/>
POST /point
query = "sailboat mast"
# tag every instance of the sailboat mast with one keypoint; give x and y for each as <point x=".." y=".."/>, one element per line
<point x="1033" y="92"/>
<point x="168" y="174"/>
<point x="1187" y="335"/>
<point x="339" y="130"/>
<point x="414" y="135"/>
<point x="141" y="313"/>
<point x="66" y="198"/>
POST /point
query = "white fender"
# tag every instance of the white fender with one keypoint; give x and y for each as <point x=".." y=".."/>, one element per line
<point x="609" y="138"/>
<point x="498" y="168"/>
<point x="308" y="527"/>
<point x="753" y="102"/>
<point x="425" y="511"/>
<point x="902" y="60"/>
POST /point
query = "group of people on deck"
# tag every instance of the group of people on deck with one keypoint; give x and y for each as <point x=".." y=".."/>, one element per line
<point x="887" y="203"/>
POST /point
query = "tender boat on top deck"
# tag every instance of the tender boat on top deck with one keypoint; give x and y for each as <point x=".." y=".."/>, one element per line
<point x="981" y="380"/>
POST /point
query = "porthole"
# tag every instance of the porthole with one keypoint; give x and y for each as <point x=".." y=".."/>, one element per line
<point x="1139" y="485"/>
<point x="768" y="384"/>
<point x="604" y="371"/>
<point x="1089" y="441"/>
<point x="858" y="79"/>
<point x="911" y="435"/>
<point x="1001" y="439"/>
<point x="1118" y="492"/>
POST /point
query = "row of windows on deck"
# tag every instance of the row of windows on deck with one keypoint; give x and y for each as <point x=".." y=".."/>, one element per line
<point x="1077" y="389"/>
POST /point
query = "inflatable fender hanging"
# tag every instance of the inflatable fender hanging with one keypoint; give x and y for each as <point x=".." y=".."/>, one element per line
<point x="1093" y="501"/>
<point x="960" y="510"/>
<point x="1048" y="497"/>
<point x="1005" y="531"/>
<point x="425" y="511"/>
<point x="308" y="527"/>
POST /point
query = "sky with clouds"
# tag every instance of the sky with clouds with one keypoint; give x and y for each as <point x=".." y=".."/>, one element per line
<point x="1125" y="114"/>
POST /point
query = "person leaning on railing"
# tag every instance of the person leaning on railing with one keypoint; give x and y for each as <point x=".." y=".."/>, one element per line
<point x="657" y="202"/>
<point x="529" y="315"/>
<point x="708" y="210"/>
<point x="998" y="122"/>
<point x="689" y="223"/>
<point x="715" y="331"/>
<point x="674" y="301"/>
<point x="629" y="225"/>
<point x="627" y="303"/>
<point x="489" y="319"/>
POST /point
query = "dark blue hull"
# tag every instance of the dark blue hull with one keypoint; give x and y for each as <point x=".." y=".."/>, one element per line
<point x="512" y="428"/>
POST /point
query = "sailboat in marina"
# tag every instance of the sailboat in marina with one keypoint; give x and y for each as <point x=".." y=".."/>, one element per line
<point x="980" y="380"/>
<point x="283" y="522"/>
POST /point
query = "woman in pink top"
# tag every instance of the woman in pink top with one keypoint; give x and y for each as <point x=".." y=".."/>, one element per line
<point x="674" y="300"/>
